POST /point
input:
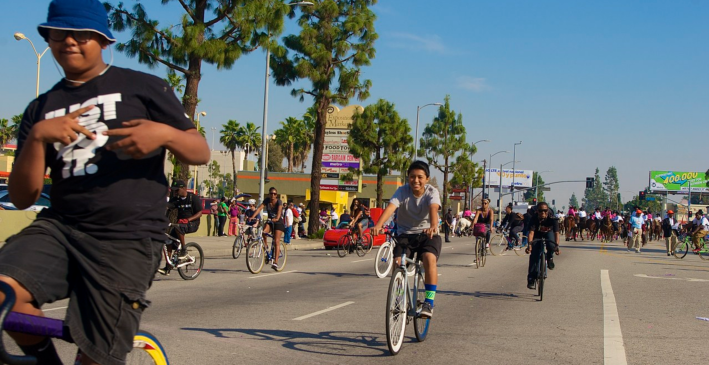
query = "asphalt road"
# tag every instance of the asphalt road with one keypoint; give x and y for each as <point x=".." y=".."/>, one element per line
<point x="485" y="315"/>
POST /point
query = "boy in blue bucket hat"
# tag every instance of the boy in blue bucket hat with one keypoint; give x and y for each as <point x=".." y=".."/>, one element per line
<point x="103" y="132"/>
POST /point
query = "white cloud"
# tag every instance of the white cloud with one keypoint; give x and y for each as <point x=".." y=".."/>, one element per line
<point x="429" y="43"/>
<point x="472" y="83"/>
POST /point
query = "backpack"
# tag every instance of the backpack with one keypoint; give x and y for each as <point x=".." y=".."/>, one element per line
<point x="295" y="213"/>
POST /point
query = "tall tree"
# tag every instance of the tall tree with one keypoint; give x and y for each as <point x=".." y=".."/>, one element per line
<point x="6" y="132"/>
<point x="275" y="157"/>
<point x="292" y="131"/>
<point x="595" y="197"/>
<point x="573" y="201"/>
<point x="434" y="183"/>
<point x="382" y="140"/>
<point x="530" y="194"/>
<point x="612" y="186"/>
<point x="230" y="137"/>
<point x="336" y="39"/>
<point x="306" y="144"/>
<point x="217" y="32"/>
<point x="466" y="175"/>
<point x="249" y="139"/>
<point x="175" y="81"/>
<point x="214" y="177"/>
<point x="443" y="141"/>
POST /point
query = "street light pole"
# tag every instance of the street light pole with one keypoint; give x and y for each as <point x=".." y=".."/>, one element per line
<point x="471" y="183"/>
<point x="499" y="194"/>
<point x="19" y="36"/>
<point x="194" y="184"/>
<point x="514" y="169"/>
<point x="488" y="173"/>
<point x="416" y="137"/>
<point x="214" y="129"/>
<point x="265" y="108"/>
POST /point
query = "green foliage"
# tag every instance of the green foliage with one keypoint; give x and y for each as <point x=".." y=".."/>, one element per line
<point x="292" y="133"/>
<point x="612" y="186"/>
<point x="336" y="39"/>
<point x="217" y="32"/>
<point x="382" y="140"/>
<point x="9" y="129"/>
<point x="317" y="235"/>
<point x="230" y="136"/>
<point x="444" y="146"/>
<point x="531" y="194"/>
<point x="573" y="201"/>
<point x="175" y="81"/>
<point x="596" y="197"/>
<point x="275" y="157"/>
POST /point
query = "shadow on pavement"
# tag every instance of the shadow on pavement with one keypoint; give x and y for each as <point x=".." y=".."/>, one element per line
<point x="610" y="248"/>
<point x="336" y="274"/>
<point x="531" y="296"/>
<point x="335" y="343"/>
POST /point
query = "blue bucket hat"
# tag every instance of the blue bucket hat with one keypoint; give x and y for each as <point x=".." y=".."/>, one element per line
<point x="77" y="15"/>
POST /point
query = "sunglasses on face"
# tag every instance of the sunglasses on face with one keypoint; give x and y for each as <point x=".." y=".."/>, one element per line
<point x="273" y="193"/>
<point x="543" y="211"/>
<point x="59" y="35"/>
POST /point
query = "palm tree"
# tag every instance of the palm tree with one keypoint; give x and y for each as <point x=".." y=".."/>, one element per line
<point x="305" y="144"/>
<point x="249" y="138"/>
<point x="291" y="132"/>
<point x="230" y="139"/>
<point x="6" y="132"/>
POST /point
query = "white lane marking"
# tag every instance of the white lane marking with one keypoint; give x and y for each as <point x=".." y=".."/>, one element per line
<point x="362" y="260"/>
<point x="322" y="311"/>
<point x="53" y="309"/>
<point x="613" y="346"/>
<point x="440" y="274"/>
<point x="275" y="273"/>
<point x="474" y="263"/>
<point x="669" y="278"/>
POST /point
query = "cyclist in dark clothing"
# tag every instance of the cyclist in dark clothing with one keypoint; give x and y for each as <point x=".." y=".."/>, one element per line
<point x="543" y="224"/>
<point x="514" y="222"/>
<point x="189" y="212"/>
<point x="274" y="225"/>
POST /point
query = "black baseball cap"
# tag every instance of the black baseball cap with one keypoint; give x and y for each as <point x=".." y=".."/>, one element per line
<point x="178" y="184"/>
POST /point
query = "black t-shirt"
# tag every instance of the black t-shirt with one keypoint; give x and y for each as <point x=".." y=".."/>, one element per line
<point x="187" y="206"/>
<point x="272" y="210"/>
<point x="108" y="194"/>
<point x="345" y="218"/>
<point x="514" y="219"/>
<point x="544" y="226"/>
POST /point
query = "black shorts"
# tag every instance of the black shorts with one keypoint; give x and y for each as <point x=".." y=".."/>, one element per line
<point x="418" y="244"/>
<point x="106" y="282"/>
<point x="276" y="226"/>
<point x="184" y="228"/>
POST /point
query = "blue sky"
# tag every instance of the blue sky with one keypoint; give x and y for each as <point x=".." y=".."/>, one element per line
<point x="582" y="84"/>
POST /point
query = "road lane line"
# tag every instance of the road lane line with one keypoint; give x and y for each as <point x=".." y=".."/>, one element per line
<point x="363" y="260"/>
<point x="613" y="346"/>
<point x="322" y="311"/>
<point x="275" y="273"/>
<point x="670" y="278"/>
<point x="53" y="309"/>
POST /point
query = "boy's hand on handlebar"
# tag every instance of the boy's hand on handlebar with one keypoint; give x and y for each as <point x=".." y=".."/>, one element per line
<point x="376" y="230"/>
<point x="431" y="231"/>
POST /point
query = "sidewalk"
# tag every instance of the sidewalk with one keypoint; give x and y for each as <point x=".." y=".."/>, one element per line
<point x="219" y="246"/>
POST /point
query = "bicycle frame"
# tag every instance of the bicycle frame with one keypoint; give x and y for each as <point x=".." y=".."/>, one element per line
<point x="412" y="299"/>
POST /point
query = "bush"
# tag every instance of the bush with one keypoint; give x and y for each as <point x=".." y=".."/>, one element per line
<point x="317" y="235"/>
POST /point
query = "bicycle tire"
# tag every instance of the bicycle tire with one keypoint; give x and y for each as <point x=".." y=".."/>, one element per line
<point x="192" y="271"/>
<point x="396" y="311"/>
<point x="343" y="245"/>
<point x="359" y="248"/>
<point x="703" y="253"/>
<point x="147" y="349"/>
<point x="282" y="256"/>
<point x="367" y="242"/>
<point x="483" y="253"/>
<point x="255" y="256"/>
<point x="478" y="242"/>
<point x="542" y="273"/>
<point x="384" y="260"/>
<point x="681" y="249"/>
<point x="420" y="324"/>
<point x="499" y="244"/>
<point x="237" y="247"/>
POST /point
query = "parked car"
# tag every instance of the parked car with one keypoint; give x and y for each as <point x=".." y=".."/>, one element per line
<point x="41" y="203"/>
<point x="332" y="236"/>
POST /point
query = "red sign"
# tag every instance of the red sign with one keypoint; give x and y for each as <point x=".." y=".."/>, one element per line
<point x="459" y="190"/>
<point x="455" y="197"/>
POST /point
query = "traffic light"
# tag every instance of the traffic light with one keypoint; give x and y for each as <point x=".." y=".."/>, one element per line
<point x="590" y="182"/>
<point x="534" y="201"/>
<point x="642" y="195"/>
<point x="553" y="202"/>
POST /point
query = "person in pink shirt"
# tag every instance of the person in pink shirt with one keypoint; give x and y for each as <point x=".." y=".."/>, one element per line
<point x="572" y="211"/>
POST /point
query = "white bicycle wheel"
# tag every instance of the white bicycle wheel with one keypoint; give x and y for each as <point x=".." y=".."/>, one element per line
<point x="384" y="260"/>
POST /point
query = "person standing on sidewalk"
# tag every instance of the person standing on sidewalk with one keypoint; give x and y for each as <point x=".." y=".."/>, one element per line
<point x="288" y="221"/>
<point x="300" y="231"/>
<point x="669" y="230"/>
<point x="448" y="224"/>
<point x="215" y="217"/>
<point x="636" y="224"/>
<point x="333" y="217"/>
<point x="233" y="218"/>
<point x="221" y="214"/>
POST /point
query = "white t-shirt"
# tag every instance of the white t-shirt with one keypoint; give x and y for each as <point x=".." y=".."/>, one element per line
<point x="289" y="217"/>
<point x="413" y="215"/>
<point x="581" y="214"/>
<point x="704" y="222"/>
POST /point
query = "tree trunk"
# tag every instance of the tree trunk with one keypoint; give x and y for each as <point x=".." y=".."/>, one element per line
<point x="316" y="171"/>
<point x="233" y="169"/>
<point x="290" y="157"/>
<point x="380" y="179"/>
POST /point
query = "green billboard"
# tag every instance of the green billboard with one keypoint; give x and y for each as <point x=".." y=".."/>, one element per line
<point x="678" y="181"/>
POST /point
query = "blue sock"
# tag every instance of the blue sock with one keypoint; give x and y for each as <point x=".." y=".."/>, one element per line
<point x="430" y="293"/>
